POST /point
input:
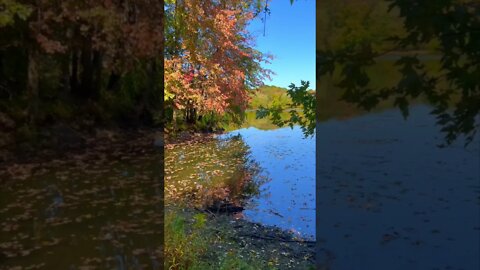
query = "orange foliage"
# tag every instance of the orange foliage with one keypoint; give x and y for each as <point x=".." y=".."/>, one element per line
<point x="215" y="61"/>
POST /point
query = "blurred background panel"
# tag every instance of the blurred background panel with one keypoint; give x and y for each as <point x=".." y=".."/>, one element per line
<point x="397" y="143"/>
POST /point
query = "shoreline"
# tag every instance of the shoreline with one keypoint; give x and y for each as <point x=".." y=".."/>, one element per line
<point x="289" y="250"/>
<point x="269" y="244"/>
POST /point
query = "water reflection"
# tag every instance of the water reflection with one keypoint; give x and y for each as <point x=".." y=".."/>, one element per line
<point x="211" y="173"/>
<point x="288" y="199"/>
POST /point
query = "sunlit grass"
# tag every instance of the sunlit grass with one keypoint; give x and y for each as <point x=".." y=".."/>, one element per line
<point x="191" y="243"/>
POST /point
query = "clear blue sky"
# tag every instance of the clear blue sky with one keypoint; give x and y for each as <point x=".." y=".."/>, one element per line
<point x="290" y="38"/>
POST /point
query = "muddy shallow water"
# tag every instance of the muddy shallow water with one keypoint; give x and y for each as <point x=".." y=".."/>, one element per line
<point x="100" y="209"/>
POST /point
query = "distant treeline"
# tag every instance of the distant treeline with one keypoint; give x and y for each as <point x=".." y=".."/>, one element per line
<point x="268" y="95"/>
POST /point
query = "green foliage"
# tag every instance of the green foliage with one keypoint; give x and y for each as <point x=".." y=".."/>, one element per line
<point x="451" y="28"/>
<point x="190" y="245"/>
<point x="266" y="96"/>
<point x="348" y="24"/>
<point x="200" y="220"/>
<point x="10" y="10"/>
<point x="183" y="248"/>
<point x="209" y="121"/>
<point x="206" y="122"/>
<point x="301" y="109"/>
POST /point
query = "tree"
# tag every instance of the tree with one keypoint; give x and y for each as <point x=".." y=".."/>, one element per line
<point x="210" y="62"/>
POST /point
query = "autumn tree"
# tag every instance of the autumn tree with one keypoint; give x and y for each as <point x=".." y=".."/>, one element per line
<point x="210" y="60"/>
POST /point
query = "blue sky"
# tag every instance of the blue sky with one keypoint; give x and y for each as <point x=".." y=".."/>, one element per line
<point x="290" y="37"/>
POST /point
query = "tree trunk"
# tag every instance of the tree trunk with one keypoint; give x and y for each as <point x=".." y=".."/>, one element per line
<point x="147" y="116"/>
<point x="1" y="68"/>
<point x="191" y="115"/>
<point x="74" y="73"/>
<point x="65" y="77"/>
<point x="86" y="81"/>
<point x="32" y="85"/>
<point x="97" y="74"/>
<point x="113" y="82"/>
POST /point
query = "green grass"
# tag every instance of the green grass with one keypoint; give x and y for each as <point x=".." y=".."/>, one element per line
<point x="190" y="244"/>
<point x="183" y="248"/>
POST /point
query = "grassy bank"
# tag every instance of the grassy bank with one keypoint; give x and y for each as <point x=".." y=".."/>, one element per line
<point x="198" y="240"/>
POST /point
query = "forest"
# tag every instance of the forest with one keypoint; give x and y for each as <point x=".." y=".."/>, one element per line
<point x="75" y="65"/>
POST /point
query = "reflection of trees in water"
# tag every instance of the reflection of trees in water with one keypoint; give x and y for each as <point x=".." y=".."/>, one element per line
<point x="250" y="169"/>
<point x="215" y="173"/>
<point x="360" y="34"/>
<point x="332" y="106"/>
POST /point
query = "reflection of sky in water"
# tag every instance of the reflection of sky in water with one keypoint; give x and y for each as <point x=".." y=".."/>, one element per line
<point x="288" y="200"/>
<point x="390" y="199"/>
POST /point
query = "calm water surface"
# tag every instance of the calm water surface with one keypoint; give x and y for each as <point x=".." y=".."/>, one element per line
<point x="288" y="160"/>
<point x="388" y="198"/>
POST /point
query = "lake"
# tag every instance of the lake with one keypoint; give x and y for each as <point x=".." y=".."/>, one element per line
<point x="386" y="192"/>
<point x="283" y="181"/>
